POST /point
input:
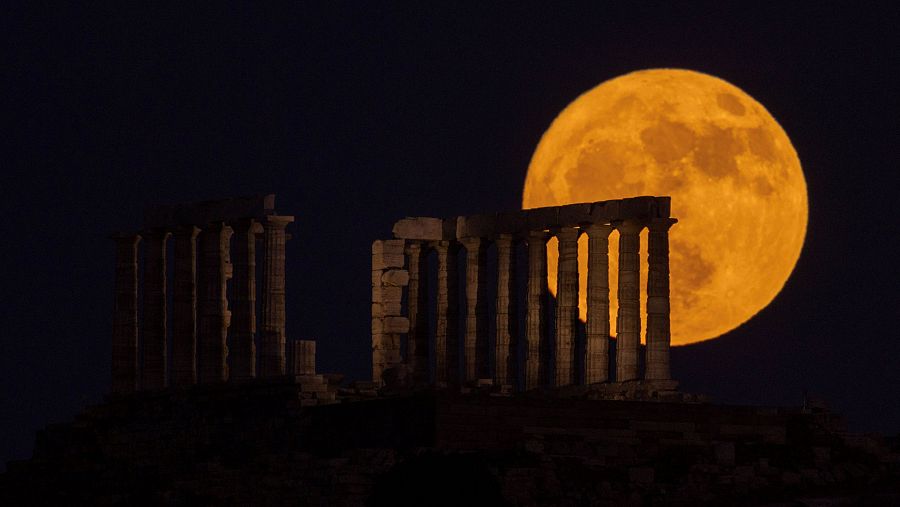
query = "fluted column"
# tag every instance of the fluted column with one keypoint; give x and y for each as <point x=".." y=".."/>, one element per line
<point x="447" y="331"/>
<point x="535" y="331"/>
<point x="505" y="344"/>
<point x="417" y="311"/>
<point x="243" y="300"/>
<point x="212" y="306"/>
<point x="597" y="346"/>
<point x="476" y="345"/>
<point x="566" y="306"/>
<point x="184" y="310"/>
<point x="125" y="321"/>
<point x="273" y="325"/>
<point x="153" y="341"/>
<point x="628" y="325"/>
<point x="658" y="333"/>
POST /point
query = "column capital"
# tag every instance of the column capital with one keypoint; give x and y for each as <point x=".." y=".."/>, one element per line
<point x="567" y="233"/>
<point x="599" y="230"/>
<point x="277" y="221"/>
<point x="629" y="226"/>
<point x="538" y="236"/>
<point x="472" y="241"/>
<point x="661" y="224"/>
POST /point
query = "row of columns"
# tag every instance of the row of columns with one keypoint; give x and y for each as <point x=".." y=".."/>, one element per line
<point x="202" y="319"/>
<point x="596" y="360"/>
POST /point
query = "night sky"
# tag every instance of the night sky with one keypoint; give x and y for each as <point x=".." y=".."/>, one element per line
<point x="358" y="117"/>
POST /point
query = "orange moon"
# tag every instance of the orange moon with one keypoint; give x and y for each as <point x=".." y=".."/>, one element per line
<point x="736" y="183"/>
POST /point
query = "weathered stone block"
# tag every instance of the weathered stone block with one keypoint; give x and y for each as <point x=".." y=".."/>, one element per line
<point x="572" y="215"/>
<point x="476" y="226"/>
<point x="637" y="207"/>
<point x="386" y="341"/>
<point x="422" y="228"/>
<point x="510" y="223"/>
<point x="395" y="278"/>
<point x="383" y="294"/>
<point x="388" y="246"/>
<point x="605" y="211"/>
<point x="396" y="324"/>
<point x="542" y="218"/>
<point x="386" y="309"/>
<point x="387" y="261"/>
<point x="663" y="207"/>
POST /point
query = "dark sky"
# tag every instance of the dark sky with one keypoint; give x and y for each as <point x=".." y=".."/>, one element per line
<point x="357" y="117"/>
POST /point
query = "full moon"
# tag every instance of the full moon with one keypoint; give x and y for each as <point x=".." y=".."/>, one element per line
<point x="735" y="180"/>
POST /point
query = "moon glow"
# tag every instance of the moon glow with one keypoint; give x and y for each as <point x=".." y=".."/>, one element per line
<point x="736" y="183"/>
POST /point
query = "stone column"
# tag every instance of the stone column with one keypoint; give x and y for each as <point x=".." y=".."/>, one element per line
<point x="243" y="300"/>
<point x="153" y="344"/>
<point x="388" y="323"/>
<point x="628" y="325"/>
<point x="212" y="306"/>
<point x="566" y="306"/>
<point x="417" y="312"/>
<point x="273" y="333"/>
<point x="125" y="320"/>
<point x="184" y="311"/>
<point x="658" y="333"/>
<point x="505" y="372"/>
<point x="476" y="344"/>
<point x="447" y="332"/>
<point x="596" y="364"/>
<point x="535" y="332"/>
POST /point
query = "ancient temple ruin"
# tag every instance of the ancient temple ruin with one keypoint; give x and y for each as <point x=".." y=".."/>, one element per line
<point x="213" y="242"/>
<point x="400" y="271"/>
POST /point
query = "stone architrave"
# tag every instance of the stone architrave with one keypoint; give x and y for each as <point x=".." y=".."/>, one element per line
<point x="535" y="330"/>
<point x="658" y="332"/>
<point x="213" y="316"/>
<point x="184" y="306"/>
<point x="242" y="352"/>
<point x="153" y="341"/>
<point x="628" y="325"/>
<point x="566" y="306"/>
<point x="125" y="320"/>
<point x="447" y="331"/>
<point x="272" y="337"/>
<point x="417" y="311"/>
<point x="505" y="372"/>
<point x="597" y="345"/>
<point x="476" y="339"/>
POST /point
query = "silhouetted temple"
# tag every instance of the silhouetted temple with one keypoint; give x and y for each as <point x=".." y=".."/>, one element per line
<point x="403" y="262"/>
<point x="501" y="402"/>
